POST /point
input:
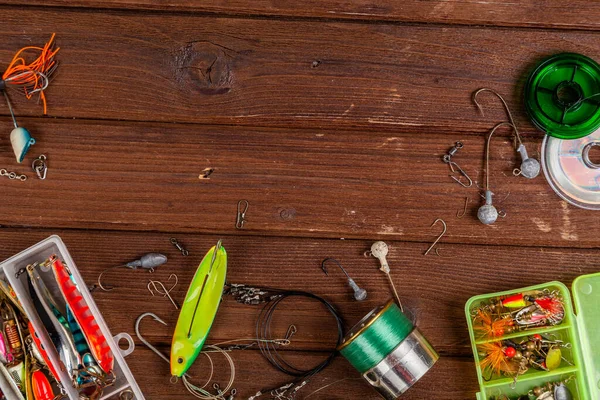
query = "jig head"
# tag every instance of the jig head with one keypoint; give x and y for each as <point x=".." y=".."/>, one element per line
<point x="487" y="213"/>
<point x="360" y="294"/>
<point x="530" y="167"/>
<point x="148" y="261"/>
<point x="379" y="250"/>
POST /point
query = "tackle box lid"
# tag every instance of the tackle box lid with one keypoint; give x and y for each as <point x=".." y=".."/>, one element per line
<point x="586" y="297"/>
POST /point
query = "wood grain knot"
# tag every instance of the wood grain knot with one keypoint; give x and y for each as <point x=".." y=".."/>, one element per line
<point x="287" y="214"/>
<point x="205" y="67"/>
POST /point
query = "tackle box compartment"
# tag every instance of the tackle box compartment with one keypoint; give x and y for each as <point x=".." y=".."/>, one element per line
<point x="580" y="327"/>
<point x="124" y="380"/>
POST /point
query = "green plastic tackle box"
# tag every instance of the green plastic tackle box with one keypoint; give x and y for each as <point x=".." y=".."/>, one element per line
<point x="580" y="328"/>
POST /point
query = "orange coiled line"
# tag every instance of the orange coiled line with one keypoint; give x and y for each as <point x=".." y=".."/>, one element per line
<point x="33" y="77"/>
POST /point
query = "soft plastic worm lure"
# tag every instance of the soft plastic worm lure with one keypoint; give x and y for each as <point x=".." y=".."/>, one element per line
<point x="198" y="310"/>
<point x="83" y="315"/>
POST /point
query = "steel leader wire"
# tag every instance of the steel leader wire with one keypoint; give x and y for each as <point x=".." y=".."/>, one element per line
<point x="273" y="298"/>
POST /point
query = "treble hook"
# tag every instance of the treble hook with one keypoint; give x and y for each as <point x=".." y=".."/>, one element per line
<point x="359" y="293"/>
<point x="439" y="237"/>
<point x="145" y="342"/>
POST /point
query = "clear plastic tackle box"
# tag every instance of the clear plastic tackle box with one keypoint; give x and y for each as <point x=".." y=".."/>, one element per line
<point x="580" y="327"/>
<point x="124" y="380"/>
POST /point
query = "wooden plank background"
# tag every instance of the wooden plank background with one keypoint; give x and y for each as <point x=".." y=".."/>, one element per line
<point x="331" y="119"/>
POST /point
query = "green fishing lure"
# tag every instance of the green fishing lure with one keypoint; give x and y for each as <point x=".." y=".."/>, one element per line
<point x="199" y="309"/>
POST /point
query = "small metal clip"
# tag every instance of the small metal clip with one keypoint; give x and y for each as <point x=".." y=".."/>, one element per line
<point x="175" y="243"/>
<point x="241" y="213"/>
<point x="454" y="167"/>
<point x="40" y="167"/>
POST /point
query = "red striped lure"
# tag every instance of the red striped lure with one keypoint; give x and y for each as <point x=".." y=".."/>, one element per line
<point x="83" y="315"/>
<point x="38" y="344"/>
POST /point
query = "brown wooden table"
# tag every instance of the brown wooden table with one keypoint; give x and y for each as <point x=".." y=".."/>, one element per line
<point x="330" y="117"/>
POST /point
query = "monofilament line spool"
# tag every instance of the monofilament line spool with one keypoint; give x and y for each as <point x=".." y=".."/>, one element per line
<point x="388" y="350"/>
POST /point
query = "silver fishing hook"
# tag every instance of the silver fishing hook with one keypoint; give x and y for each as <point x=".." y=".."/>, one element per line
<point x="144" y="341"/>
<point x="445" y="228"/>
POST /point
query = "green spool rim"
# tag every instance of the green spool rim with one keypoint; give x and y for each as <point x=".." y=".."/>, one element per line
<point x="557" y="96"/>
<point x="375" y="336"/>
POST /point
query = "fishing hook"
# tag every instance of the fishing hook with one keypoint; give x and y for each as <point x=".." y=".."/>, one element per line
<point x="530" y="167"/>
<point x="462" y="213"/>
<point x="439" y="237"/>
<point x="510" y="117"/>
<point x="359" y="293"/>
<point x="144" y="341"/>
<point x="165" y="292"/>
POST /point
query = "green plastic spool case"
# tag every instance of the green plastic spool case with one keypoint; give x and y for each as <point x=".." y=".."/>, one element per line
<point x="562" y="96"/>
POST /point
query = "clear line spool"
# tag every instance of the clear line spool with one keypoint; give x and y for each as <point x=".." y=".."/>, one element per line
<point x="571" y="171"/>
<point x="388" y="350"/>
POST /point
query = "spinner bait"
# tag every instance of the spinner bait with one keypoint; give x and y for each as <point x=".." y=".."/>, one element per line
<point x="198" y="310"/>
<point x="83" y="315"/>
<point x="32" y="78"/>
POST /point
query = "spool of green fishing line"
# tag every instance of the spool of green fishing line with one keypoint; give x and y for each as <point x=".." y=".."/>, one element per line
<point x="377" y="334"/>
<point x="388" y="350"/>
<point x="562" y="96"/>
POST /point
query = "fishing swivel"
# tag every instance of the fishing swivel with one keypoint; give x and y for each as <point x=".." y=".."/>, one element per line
<point x="530" y="167"/>
<point x="454" y="168"/>
<point x="360" y="294"/>
<point x="148" y="262"/>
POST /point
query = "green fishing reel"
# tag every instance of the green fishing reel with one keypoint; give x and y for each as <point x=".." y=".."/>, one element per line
<point x="562" y="96"/>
